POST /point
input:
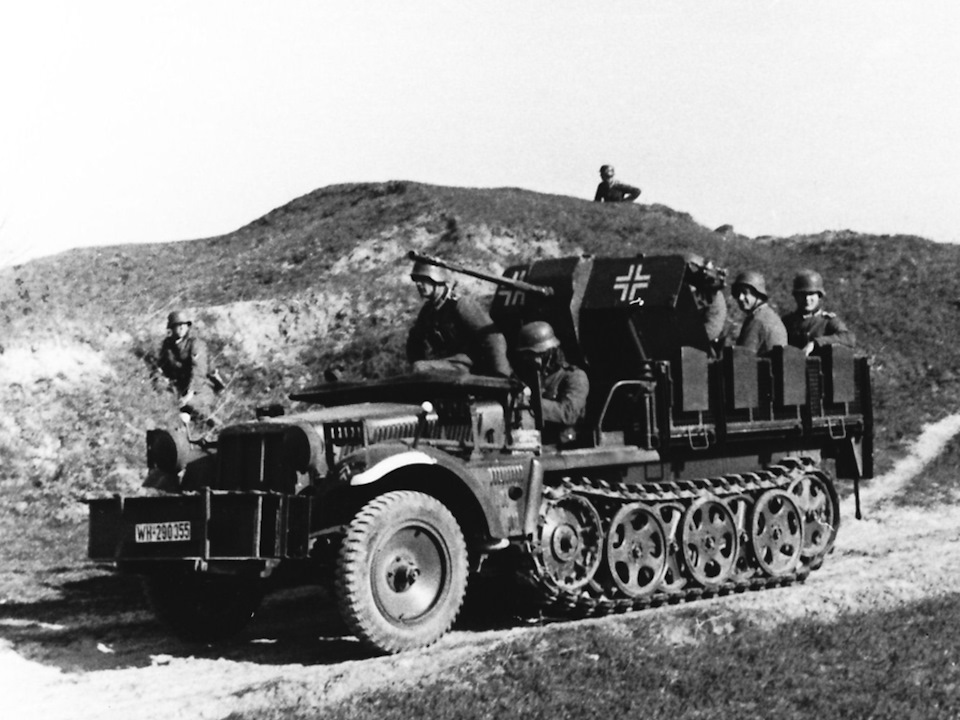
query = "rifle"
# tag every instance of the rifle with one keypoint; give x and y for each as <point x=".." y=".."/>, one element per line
<point x="497" y="279"/>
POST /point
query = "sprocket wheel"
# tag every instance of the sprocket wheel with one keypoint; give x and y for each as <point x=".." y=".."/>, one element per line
<point x="570" y="542"/>
<point x="819" y="505"/>
<point x="777" y="532"/>
<point x="709" y="542"/>
<point x="636" y="550"/>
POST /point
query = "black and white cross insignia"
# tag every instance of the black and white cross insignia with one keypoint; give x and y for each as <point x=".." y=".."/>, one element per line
<point x="512" y="296"/>
<point x="631" y="283"/>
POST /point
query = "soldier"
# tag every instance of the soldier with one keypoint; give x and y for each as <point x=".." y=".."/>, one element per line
<point x="184" y="361"/>
<point x="762" y="330"/>
<point x="810" y="326"/>
<point x="563" y="387"/>
<point x="451" y="333"/>
<point x="706" y="283"/>
<point x="610" y="190"/>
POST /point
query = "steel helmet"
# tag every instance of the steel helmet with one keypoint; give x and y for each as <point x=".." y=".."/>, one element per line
<point x="606" y="170"/>
<point x="808" y="281"/>
<point x="537" y="337"/>
<point x="429" y="271"/>
<point x="753" y="280"/>
<point x="178" y="317"/>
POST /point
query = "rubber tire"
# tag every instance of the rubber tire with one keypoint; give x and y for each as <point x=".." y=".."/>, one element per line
<point x="369" y="534"/>
<point x="203" y="608"/>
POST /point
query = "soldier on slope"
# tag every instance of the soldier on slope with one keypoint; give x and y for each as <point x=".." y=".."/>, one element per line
<point x="452" y="333"/>
<point x="810" y="326"/>
<point x="185" y="362"/>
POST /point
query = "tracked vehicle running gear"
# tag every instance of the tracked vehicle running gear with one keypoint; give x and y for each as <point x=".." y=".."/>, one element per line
<point x="688" y="476"/>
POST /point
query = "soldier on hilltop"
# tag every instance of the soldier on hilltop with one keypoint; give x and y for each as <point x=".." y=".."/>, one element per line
<point x="610" y="190"/>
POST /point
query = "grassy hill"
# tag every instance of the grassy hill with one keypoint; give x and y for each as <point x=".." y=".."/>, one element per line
<point x="323" y="280"/>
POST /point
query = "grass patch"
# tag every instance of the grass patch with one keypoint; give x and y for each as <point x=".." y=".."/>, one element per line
<point x="895" y="664"/>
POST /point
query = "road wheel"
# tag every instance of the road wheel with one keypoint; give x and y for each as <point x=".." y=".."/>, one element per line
<point x="402" y="571"/>
<point x="203" y="608"/>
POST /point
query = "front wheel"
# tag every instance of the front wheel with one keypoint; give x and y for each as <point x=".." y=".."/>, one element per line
<point x="402" y="571"/>
<point x="203" y="608"/>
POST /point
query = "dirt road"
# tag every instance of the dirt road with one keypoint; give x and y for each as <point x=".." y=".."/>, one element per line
<point x="89" y="655"/>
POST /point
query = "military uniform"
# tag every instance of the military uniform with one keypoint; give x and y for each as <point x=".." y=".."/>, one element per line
<point x="565" y="395"/>
<point x="762" y="331"/>
<point x="186" y="365"/>
<point x="458" y="335"/>
<point x="820" y="327"/>
<point x="713" y="312"/>
<point x="616" y="191"/>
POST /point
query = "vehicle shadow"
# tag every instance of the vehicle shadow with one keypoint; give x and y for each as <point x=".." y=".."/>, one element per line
<point x="102" y="622"/>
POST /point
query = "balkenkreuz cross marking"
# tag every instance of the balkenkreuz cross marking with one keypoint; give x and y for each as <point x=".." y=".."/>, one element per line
<point x="512" y="296"/>
<point x="631" y="283"/>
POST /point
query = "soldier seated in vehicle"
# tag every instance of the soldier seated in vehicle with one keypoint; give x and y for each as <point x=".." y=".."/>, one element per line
<point x="706" y="283"/>
<point x="453" y="334"/>
<point x="810" y="326"/>
<point x="563" y="387"/>
<point x="762" y="329"/>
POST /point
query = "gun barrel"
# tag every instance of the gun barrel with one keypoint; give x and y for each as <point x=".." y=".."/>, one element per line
<point x="498" y="279"/>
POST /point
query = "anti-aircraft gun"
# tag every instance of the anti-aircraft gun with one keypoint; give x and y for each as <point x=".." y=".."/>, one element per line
<point x="693" y="473"/>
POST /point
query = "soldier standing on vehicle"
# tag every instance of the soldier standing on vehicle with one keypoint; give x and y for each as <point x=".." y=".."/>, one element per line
<point x="563" y="387"/>
<point x="610" y="190"/>
<point x="810" y="326"/>
<point x="452" y="333"/>
<point x="184" y="361"/>
<point x="762" y="330"/>
<point x="706" y="282"/>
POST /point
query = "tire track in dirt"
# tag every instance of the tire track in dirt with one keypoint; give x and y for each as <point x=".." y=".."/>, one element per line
<point x="892" y="556"/>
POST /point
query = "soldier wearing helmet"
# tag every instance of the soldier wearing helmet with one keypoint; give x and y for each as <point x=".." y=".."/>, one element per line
<point x="184" y="362"/>
<point x="610" y="190"/>
<point x="810" y="326"/>
<point x="706" y="283"/>
<point x="762" y="329"/>
<point x="452" y="333"/>
<point x="563" y="387"/>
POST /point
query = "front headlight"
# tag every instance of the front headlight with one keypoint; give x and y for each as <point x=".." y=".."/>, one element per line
<point x="302" y="447"/>
<point x="167" y="451"/>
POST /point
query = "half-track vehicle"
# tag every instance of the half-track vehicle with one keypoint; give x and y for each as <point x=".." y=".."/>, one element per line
<point x="695" y="472"/>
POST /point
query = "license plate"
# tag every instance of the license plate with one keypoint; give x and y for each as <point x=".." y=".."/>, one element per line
<point x="162" y="532"/>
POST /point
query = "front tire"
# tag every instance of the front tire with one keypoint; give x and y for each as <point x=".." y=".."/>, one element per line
<point x="401" y="572"/>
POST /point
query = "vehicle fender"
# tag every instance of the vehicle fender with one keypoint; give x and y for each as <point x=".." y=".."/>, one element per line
<point x="381" y="463"/>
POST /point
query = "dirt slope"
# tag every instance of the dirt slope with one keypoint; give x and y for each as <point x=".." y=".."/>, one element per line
<point x="84" y="660"/>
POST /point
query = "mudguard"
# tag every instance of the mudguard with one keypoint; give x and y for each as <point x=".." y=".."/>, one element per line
<point x="492" y="485"/>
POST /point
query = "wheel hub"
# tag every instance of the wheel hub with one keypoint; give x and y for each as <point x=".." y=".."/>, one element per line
<point x="565" y="543"/>
<point x="402" y="573"/>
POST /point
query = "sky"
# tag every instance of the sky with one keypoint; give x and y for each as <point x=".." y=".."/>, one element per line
<point x="155" y="121"/>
